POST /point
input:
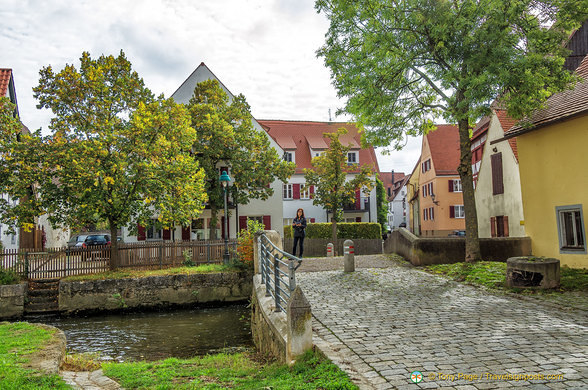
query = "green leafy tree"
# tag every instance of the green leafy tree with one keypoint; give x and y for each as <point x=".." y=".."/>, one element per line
<point x="401" y="63"/>
<point x="19" y="161"/>
<point x="382" y="202"/>
<point x="226" y="137"/>
<point x="115" y="153"/>
<point x="329" y="175"/>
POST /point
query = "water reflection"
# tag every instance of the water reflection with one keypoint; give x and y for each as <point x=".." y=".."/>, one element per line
<point x="157" y="335"/>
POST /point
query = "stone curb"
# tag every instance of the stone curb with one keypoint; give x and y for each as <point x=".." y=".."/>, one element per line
<point x="89" y="380"/>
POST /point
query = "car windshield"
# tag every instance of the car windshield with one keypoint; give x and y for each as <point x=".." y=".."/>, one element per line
<point x="78" y="238"/>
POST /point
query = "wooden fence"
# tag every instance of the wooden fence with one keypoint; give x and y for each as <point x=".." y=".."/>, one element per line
<point x="61" y="262"/>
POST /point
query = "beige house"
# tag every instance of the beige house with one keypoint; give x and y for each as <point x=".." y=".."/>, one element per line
<point x="498" y="197"/>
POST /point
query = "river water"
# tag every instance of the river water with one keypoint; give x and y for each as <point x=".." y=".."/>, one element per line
<point x="180" y="333"/>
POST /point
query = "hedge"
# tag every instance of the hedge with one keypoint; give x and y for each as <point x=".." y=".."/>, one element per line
<point x="346" y="230"/>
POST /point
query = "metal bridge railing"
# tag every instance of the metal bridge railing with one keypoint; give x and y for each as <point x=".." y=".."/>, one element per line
<point x="278" y="272"/>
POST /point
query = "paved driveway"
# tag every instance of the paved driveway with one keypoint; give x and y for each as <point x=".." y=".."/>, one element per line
<point x="382" y="324"/>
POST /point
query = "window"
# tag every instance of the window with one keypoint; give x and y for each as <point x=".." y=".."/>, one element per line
<point x="317" y="154"/>
<point x="429" y="214"/>
<point x="154" y="233"/>
<point x="389" y="191"/>
<point x="426" y="166"/>
<point x="304" y="192"/>
<point x="425" y="191"/>
<point x="289" y="156"/>
<point x="351" y="158"/>
<point x="287" y="191"/>
<point x="456" y="211"/>
<point x="455" y="185"/>
<point x="499" y="226"/>
<point x="428" y="189"/>
<point x="570" y="225"/>
<point x="497" y="184"/>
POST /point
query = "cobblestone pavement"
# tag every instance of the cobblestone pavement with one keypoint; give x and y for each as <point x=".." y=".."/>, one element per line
<point x="381" y="324"/>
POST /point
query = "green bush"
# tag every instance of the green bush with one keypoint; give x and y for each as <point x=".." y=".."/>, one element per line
<point x="345" y="230"/>
<point x="8" y="276"/>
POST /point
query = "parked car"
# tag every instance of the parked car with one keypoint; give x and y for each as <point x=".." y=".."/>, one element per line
<point x="458" y="233"/>
<point x="402" y="225"/>
<point x="96" y="240"/>
<point x="76" y="240"/>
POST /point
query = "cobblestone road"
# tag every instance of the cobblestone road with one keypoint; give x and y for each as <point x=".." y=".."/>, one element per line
<point x="381" y="324"/>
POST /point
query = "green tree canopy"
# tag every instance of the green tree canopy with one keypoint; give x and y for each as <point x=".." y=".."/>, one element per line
<point x="226" y="137"/>
<point x="336" y="181"/>
<point x="402" y="63"/>
<point x="115" y="153"/>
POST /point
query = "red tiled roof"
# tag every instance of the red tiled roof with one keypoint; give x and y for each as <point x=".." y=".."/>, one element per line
<point x="444" y="146"/>
<point x="307" y="134"/>
<point x="4" y="80"/>
<point x="560" y="106"/>
<point x="507" y="122"/>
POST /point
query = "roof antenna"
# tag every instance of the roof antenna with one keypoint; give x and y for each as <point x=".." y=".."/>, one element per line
<point x="330" y="120"/>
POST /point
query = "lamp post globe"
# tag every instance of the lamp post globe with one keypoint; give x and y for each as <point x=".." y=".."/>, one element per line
<point x="225" y="179"/>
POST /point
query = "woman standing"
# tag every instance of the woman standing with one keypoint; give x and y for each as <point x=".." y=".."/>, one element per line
<point x="299" y="225"/>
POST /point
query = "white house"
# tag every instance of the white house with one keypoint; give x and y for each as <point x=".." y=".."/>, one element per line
<point x="497" y="180"/>
<point x="267" y="211"/>
<point x="303" y="140"/>
<point x="399" y="205"/>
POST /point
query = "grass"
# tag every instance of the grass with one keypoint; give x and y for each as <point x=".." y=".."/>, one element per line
<point x="17" y="342"/>
<point x="243" y="371"/>
<point x="131" y="273"/>
<point x="493" y="275"/>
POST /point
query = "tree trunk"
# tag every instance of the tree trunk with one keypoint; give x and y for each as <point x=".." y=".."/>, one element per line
<point x="334" y="234"/>
<point x="472" y="244"/>
<point x="213" y="221"/>
<point x="114" y="255"/>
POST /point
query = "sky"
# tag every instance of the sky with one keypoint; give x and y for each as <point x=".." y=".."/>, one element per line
<point x="264" y="49"/>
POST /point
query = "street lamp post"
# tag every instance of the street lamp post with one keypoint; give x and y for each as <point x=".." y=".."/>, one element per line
<point x="225" y="179"/>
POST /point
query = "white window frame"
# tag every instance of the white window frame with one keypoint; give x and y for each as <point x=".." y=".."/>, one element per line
<point x="290" y="156"/>
<point x="457" y="185"/>
<point x="459" y="211"/>
<point x="355" y="158"/>
<point x="287" y="192"/>
<point x="304" y="192"/>
<point x="576" y="247"/>
<point x="152" y="230"/>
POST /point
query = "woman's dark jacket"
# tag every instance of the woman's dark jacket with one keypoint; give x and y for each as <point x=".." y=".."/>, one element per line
<point x="299" y="230"/>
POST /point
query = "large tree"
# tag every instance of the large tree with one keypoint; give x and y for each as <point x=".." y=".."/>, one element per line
<point x="336" y="181"/>
<point x="115" y="153"/>
<point x="402" y="63"/>
<point x="226" y="137"/>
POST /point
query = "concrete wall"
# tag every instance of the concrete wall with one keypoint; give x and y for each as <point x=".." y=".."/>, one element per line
<point x="510" y="203"/>
<point x="425" y="251"/>
<point x="317" y="247"/>
<point x="153" y="291"/>
<point x="12" y="300"/>
<point x="553" y="171"/>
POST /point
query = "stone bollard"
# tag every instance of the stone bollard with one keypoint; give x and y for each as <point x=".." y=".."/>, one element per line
<point x="299" y="323"/>
<point x="349" y="256"/>
<point x="330" y="249"/>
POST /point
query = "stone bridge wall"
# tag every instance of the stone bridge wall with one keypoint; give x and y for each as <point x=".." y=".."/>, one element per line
<point x="425" y="251"/>
<point x="12" y="300"/>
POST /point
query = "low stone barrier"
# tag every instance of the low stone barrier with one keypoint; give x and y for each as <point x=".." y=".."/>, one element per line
<point x="317" y="247"/>
<point x="12" y="300"/>
<point x="153" y="291"/>
<point x="426" y="251"/>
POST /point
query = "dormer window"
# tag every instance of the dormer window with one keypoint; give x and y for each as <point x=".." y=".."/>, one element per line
<point x="289" y="156"/>
<point x="351" y="158"/>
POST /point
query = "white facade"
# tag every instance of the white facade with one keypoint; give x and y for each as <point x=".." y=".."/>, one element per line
<point x="508" y="204"/>
<point x="399" y="209"/>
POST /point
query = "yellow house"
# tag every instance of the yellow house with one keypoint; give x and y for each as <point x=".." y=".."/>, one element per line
<point x="412" y="195"/>
<point x="554" y="174"/>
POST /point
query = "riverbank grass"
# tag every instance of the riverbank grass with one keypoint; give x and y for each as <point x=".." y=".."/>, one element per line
<point x="17" y="342"/>
<point x="241" y="370"/>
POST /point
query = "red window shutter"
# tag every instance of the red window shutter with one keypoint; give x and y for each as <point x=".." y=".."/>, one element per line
<point x="141" y="233"/>
<point x="451" y="211"/>
<point x="450" y="185"/>
<point x="311" y="190"/>
<point x="497" y="183"/>
<point x="357" y="199"/>
<point x="242" y="222"/>
<point x="505" y="219"/>
<point x="312" y="220"/>
<point x="296" y="191"/>
<point x="492" y="226"/>
<point x="357" y="219"/>
<point x="166" y="234"/>
<point x="185" y="233"/>
<point x="267" y="222"/>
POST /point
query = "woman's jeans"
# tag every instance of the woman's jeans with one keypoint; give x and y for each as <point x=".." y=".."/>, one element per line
<point x="296" y="241"/>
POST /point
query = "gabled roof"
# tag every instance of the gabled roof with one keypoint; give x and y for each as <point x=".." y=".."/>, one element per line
<point x="386" y="177"/>
<point x="444" y="146"/>
<point x="5" y="76"/>
<point x="307" y="134"/>
<point x="507" y="122"/>
<point x="559" y="107"/>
